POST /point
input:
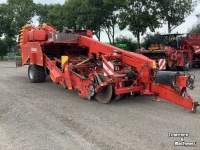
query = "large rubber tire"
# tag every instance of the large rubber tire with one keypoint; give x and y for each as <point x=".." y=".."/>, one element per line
<point x="186" y="66"/>
<point x="36" y="74"/>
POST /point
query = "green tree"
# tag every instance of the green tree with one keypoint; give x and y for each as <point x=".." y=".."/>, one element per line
<point x="150" y="39"/>
<point x="13" y="15"/>
<point x="3" y="48"/>
<point x="42" y="11"/>
<point x="7" y="44"/>
<point x="195" y="28"/>
<point x="174" y="12"/>
<point x="72" y="10"/>
<point x="20" y="12"/>
<point x="91" y="16"/>
<point x="6" y="19"/>
<point x="2" y="14"/>
<point x="109" y="25"/>
<point x="96" y="15"/>
<point x="138" y="15"/>
<point x="111" y="15"/>
<point x="131" y="45"/>
<point x="56" y="16"/>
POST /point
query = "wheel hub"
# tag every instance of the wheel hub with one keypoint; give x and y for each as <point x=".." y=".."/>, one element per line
<point x="31" y="73"/>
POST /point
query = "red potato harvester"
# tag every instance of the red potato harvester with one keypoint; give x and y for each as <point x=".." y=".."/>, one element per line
<point x="175" y="51"/>
<point x="97" y="70"/>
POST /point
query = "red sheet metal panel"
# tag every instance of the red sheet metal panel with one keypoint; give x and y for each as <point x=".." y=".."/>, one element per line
<point x="37" y="35"/>
<point x="28" y="49"/>
<point x="55" y="75"/>
<point x="24" y="54"/>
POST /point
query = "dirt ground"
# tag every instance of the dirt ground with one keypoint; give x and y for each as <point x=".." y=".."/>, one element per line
<point x="45" y="116"/>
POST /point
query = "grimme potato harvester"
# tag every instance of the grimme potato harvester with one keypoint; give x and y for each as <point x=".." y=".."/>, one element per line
<point x="175" y="51"/>
<point x="97" y="70"/>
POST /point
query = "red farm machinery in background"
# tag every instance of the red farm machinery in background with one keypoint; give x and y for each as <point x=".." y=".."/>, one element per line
<point x="96" y="70"/>
<point x="175" y="51"/>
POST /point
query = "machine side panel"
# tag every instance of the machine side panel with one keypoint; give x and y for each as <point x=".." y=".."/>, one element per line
<point x="32" y="51"/>
<point x="24" y="54"/>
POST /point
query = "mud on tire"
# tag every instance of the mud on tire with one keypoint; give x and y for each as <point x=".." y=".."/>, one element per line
<point x="36" y="74"/>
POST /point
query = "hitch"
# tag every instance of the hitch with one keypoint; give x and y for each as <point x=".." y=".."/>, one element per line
<point x="171" y="86"/>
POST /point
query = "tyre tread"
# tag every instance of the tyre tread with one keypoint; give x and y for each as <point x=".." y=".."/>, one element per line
<point x="38" y="75"/>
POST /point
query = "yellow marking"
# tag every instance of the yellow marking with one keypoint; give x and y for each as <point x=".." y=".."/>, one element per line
<point x="153" y="48"/>
<point x="26" y="26"/>
<point x="25" y="62"/>
<point x="64" y="59"/>
<point x="43" y="25"/>
<point x="83" y="62"/>
<point x="39" y="64"/>
<point x="154" y="64"/>
<point x="52" y="79"/>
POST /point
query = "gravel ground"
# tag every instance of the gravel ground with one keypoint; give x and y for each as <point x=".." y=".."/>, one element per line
<point x="48" y="117"/>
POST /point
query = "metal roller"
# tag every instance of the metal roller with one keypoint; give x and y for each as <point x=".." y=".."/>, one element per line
<point x="166" y="77"/>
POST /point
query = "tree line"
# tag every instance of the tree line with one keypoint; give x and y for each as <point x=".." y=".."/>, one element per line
<point x="98" y="15"/>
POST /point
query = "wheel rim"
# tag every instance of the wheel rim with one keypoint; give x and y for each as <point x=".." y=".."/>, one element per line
<point x="187" y="64"/>
<point x="31" y="73"/>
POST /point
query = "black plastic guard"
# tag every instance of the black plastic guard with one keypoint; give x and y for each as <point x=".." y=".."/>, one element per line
<point x="166" y="77"/>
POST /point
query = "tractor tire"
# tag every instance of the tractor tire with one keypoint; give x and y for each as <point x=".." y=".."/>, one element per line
<point x="36" y="74"/>
<point x="186" y="66"/>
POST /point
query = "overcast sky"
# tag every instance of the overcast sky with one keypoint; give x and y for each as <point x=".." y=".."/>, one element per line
<point x="183" y="28"/>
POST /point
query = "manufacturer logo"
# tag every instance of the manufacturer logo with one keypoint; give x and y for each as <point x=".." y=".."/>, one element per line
<point x="34" y="49"/>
